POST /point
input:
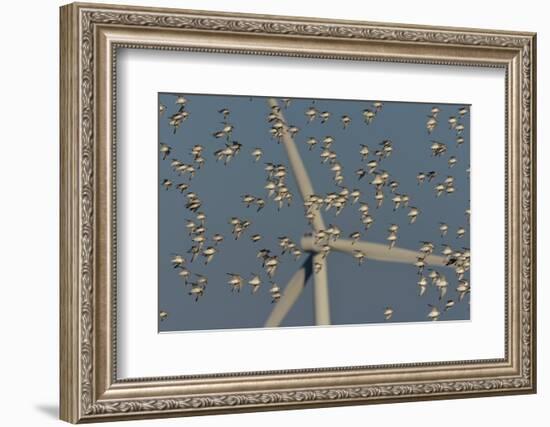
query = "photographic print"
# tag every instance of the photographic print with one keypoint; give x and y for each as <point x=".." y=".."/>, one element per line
<point x="279" y="211"/>
<point x="329" y="223"/>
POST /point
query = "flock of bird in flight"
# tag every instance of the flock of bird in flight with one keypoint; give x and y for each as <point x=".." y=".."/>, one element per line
<point x="278" y="192"/>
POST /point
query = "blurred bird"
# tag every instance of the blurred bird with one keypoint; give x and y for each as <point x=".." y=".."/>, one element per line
<point x="434" y="313"/>
<point x="296" y="253"/>
<point x="163" y="315"/>
<point x="431" y="124"/>
<point x="387" y="147"/>
<point x="255" y="283"/>
<point x="354" y="237"/>
<point x="257" y="154"/>
<point x="462" y="289"/>
<point x="439" y="188"/>
<point x="177" y="261"/>
<point x="447" y="250"/>
<point x="325" y="154"/>
<point x="260" y="203"/>
<point x="452" y="161"/>
<point x="217" y="239"/>
<point x="311" y="142"/>
<point x="360" y="173"/>
<point x="379" y="197"/>
<point x="180" y="100"/>
<point x="317" y="267"/>
<point x="368" y="116"/>
<point x="397" y="199"/>
<point x="201" y="280"/>
<point x="392" y="238"/>
<point x="422" y="285"/>
<point x="182" y="187"/>
<point x="328" y="141"/>
<point x="364" y="151"/>
<point x="388" y="313"/>
<point x="413" y="213"/>
<point x="256" y="238"/>
<point x="427" y="248"/>
<point x="177" y="118"/>
<point x="270" y="265"/>
<point x="325" y="249"/>
<point x="209" y="253"/>
<point x="311" y="114"/>
<point x="197" y="150"/>
<point x="201" y="216"/>
<point x="196" y="291"/>
<point x="236" y="282"/>
<point x="452" y="122"/>
<point x="377" y="181"/>
<point x="248" y="199"/>
<point x="167" y="184"/>
<point x="438" y="148"/>
<point x="293" y="130"/>
<point x="175" y="164"/>
<point x="372" y="165"/>
<point x="165" y="149"/>
<point x="355" y="194"/>
<point x="367" y="221"/>
<point x="275" y="292"/>
<point x="227" y="129"/>
<point x="346" y="120"/>
<point x="184" y="274"/>
<point x="420" y="264"/>
<point x="199" y="240"/>
<point x="441" y="284"/>
<point x="359" y="256"/>
<point x="191" y="226"/>
<point x="194" y="251"/>
<point x="225" y="112"/>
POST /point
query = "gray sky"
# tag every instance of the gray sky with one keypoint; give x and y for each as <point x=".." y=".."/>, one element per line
<point x="358" y="294"/>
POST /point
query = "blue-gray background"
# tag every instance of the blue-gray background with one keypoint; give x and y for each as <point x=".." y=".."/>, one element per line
<point x="358" y="294"/>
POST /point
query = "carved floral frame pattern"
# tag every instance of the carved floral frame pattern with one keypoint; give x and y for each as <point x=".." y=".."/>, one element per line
<point x="79" y="400"/>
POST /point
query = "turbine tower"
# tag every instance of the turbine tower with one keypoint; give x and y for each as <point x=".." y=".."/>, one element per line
<point x="296" y="284"/>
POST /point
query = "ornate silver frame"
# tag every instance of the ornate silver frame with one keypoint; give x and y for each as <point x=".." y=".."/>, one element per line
<point x="90" y="36"/>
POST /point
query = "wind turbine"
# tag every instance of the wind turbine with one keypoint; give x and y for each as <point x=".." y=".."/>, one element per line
<point x="296" y="284"/>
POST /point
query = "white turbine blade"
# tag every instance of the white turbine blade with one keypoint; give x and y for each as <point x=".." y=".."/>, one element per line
<point x="376" y="251"/>
<point x="297" y="166"/>
<point x="290" y="294"/>
<point x="320" y="291"/>
<point x="321" y="296"/>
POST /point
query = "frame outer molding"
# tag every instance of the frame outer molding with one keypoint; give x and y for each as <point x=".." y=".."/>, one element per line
<point x="90" y="393"/>
<point x="69" y="356"/>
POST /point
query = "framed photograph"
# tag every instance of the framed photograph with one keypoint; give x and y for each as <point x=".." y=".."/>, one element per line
<point x="267" y="212"/>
